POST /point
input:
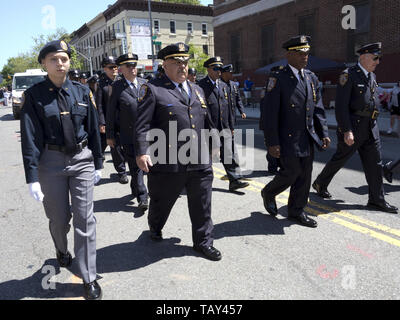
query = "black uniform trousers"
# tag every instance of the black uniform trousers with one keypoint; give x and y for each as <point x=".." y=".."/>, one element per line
<point x="295" y="173"/>
<point x="138" y="186"/>
<point x="369" y="150"/>
<point x="117" y="154"/>
<point x="165" y="188"/>
<point x="229" y="158"/>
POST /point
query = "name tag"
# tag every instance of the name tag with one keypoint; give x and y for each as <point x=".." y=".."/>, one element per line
<point x="361" y="85"/>
<point x="82" y="104"/>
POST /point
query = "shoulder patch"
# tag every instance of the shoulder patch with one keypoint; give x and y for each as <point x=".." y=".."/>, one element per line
<point x="271" y="84"/>
<point x="143" y="92"/>
<point x="344" y="77"/>
<point x="92" y="99"/>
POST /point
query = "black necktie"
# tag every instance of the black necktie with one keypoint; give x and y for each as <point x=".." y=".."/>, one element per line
<point x="66" y="122"/>
<point x="184" y="94"/>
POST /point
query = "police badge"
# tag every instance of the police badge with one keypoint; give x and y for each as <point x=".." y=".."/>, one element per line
<point x="63" y="45"/>
<point x="343" y="79"/>
<point x="271" y="84"/>
<point x="142" y="92"/>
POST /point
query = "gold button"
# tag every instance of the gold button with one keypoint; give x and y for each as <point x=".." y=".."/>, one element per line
<point x="292" y="105"/>
<point x="308" y="109"/>
<point x="194" y="137"/>
<point x="193" y="126"/>
<point x="361" y="92"/>
<point x="191" y="116"/>
<point x="170" y="113"/>
<point x="290" y="135"/>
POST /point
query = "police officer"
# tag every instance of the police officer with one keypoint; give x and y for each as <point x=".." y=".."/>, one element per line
<point x="356" y="114"/>
<point x="84" y="76"/>
<point x="273" y="163"/>
<point x="165" y="103"/>
<point x="93" y="82"/>
<point x="62" y="159"/>
<point x="192" y="75"/>
<point x="102" y="100"/>
<point x="74" y="75"/>
<point x="217" y="97"/>
<point x="124" y="103"/>
<point x="294" y="121"/>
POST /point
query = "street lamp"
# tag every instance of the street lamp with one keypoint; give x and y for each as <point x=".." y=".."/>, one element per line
<point x="87" y="58"/>
<point x="151" y="33"/>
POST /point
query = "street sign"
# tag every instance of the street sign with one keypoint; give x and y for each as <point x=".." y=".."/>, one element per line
<point x="157" y="43"/>
<point x="150" y="57"/>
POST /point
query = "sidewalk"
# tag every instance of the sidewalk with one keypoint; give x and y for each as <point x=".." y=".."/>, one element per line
<point x="383" y="120"/>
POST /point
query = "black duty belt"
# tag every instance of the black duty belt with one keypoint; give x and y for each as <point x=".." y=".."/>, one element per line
<point x="63" y="149"/>
<point x="372" y="114"/>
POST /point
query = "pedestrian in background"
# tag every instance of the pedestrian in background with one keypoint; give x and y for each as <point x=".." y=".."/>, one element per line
<point x="248" y="86"/>
<point x="394" y="108"/>
<point x="62" y="159"/>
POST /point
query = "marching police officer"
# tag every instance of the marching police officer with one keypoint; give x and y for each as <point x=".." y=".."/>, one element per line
<point x="124" y="104"/>
<point x="102" y="100"/>
<point x="62" y="159"/>
<point x="356" y="115"/>
<point x="83" y="78"/>
<point x="93" y="82"/>
<point x="217" y="98"/>
<point x="167" y="103"/>
<point x="192" y="75"/>
<point x="294" y="120"/>
<point x="74" y="75"/>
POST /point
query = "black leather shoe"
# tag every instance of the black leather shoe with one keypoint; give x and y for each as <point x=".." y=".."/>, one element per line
<point x="144" y="205"/>
<point x="156" y="235"/>
<point x="269" y="204"/>
<point x="210" y="252"/>
<point x="234" y="185"/>
<point x="123" y="179"/>
<point x="92" y="291"/>
<point x="386" y="207"/>
<point x="304" y="220"/>
<point x="64" y="259"/>
<point x="387" y="174"/>
<point x="322" y="192"/>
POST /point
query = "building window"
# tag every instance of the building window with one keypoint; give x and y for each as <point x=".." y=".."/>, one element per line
<point x="114" y="52"/>
<point x="235" y="51"/>
<point x="172" y="28"/>
<point x="306" y="27"/>
<point x="98" y="42"/>
<point x="205" y="48"/>
<point x="360" y="36"/>
<point x="190" y="27"/>
<point x="156" y="26"/>
<point x="123" y="26"/>
<point x="204" y="29"/>
<point x="267" y="44"/>
<point x="157" y="48"/>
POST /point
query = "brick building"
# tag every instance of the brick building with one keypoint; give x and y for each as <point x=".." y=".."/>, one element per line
<point x="249" y="33"/>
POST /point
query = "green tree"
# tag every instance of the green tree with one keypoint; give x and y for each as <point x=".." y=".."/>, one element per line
<point x="193" y="2"/>
<point x="198" y="57"/>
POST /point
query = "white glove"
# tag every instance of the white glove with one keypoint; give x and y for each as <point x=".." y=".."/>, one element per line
<point x="36" y="191"/>
<point x="97" y="176"/>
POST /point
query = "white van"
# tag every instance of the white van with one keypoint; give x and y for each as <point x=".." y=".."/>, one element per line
<point x="21" y="82"/>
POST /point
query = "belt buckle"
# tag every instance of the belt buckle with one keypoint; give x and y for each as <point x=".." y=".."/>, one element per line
<point x="375" y="114"/>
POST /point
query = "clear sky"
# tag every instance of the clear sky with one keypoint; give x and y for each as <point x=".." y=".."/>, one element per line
<point x="21" y="20"/>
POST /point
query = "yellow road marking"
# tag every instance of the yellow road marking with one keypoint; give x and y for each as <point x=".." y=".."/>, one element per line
<point x="332" y="216"/>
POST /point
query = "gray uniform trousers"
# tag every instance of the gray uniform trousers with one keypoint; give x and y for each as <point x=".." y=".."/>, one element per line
<point x="63" y="177"/>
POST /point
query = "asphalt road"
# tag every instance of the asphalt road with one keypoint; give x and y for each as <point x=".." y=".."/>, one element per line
<point x="353" y="254"/>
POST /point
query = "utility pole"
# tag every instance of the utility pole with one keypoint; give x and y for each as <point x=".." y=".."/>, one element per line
<point x="151" y="33"/>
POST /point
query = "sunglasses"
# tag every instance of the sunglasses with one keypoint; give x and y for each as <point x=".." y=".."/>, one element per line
<point x="217" y="69"/>
<point x="112" y="67"/>
<point x="377" y="58"/>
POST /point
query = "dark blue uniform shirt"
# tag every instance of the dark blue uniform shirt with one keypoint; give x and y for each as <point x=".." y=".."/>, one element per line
<point x="41" y="123"/>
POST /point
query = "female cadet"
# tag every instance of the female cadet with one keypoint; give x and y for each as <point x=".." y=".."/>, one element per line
<point x="62" y="157"/>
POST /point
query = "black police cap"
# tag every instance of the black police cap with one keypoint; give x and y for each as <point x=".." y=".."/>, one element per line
<point x="84" y="75"/>
<point x="179" y="51"/>
<point x="298" y="43"/>
<point x="128" y="58"/>
<point x="227" y="68"/>
<point x="93" y="79"/>
<point x="108" y="60"/>
<point x="74" y="73"/>
<point x="192" y="71"/>
<point x="373" y="48"/>
<point x="214" y="62"/>
<point x="54" y="46"/>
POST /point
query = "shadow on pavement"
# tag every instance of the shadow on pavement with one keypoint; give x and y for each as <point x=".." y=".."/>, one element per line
<point x="139" y="254"/>
<point x="31" y="287"/>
